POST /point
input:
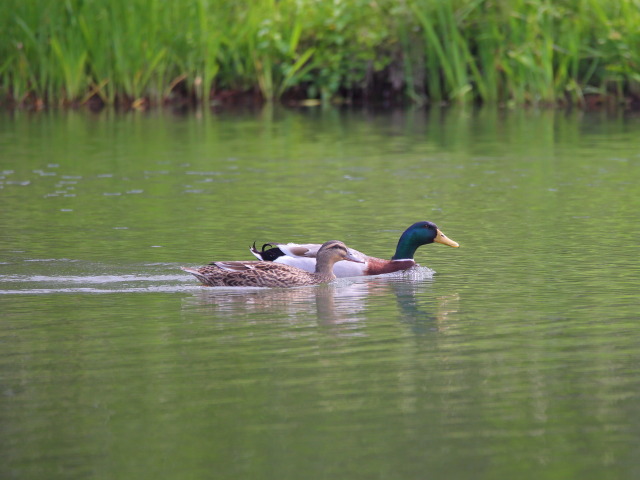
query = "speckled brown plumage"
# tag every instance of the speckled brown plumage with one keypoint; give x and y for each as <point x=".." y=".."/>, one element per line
<point x="269" y="274"/>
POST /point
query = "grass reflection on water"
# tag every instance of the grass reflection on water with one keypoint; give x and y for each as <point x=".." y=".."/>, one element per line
<point x="518" y="359"/>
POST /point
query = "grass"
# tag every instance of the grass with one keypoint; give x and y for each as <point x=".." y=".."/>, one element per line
<point x="141" y="52"/>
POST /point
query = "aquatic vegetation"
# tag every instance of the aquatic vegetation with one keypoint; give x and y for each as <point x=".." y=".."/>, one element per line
<point x="138" y="52"/>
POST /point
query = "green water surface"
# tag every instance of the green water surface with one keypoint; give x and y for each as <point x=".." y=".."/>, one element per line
<point x="519" y="358"/>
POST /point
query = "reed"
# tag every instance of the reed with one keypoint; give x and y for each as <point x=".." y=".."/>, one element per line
<point x="141" y="52"/>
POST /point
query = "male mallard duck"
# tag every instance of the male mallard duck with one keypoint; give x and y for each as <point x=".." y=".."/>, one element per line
<point x="270" y="274"/>
<point x="303" y="256"/>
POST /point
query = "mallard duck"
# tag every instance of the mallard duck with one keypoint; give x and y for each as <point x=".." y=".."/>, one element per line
<point x="271" y="274"/>
<point x="304" y="256"/>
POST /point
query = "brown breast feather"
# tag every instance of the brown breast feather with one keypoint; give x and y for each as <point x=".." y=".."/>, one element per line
<point x="377" y="266"/>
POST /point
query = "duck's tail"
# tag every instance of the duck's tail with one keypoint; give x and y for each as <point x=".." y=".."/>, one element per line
<point x="197" y="274"/>
<point x="266" y="254"/>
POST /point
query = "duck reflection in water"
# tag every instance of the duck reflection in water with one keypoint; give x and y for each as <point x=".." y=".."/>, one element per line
<point x="423" y="311"/>
<point x="334" y="303"/>
<point x="346" y="303"/>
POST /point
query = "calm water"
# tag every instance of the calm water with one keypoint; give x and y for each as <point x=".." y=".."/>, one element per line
<point x="519" y="358"/>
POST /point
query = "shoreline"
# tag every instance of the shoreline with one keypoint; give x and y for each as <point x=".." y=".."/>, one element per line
<point x="234" y="99"/>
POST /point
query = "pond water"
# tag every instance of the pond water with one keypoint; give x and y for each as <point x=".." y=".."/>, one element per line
<point x="518" y="358"/>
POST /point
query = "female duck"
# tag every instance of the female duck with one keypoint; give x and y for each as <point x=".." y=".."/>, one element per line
<point x="304" y="256"/>
<point x="270" y="274"/>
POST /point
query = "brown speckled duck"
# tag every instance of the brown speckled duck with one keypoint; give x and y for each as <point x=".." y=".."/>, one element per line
<point x="271" y="274"/>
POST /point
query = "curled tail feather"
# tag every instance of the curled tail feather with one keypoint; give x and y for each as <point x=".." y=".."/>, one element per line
<point x="266" y="254"/>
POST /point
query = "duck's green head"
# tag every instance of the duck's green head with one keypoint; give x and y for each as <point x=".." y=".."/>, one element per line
<point x="420" y="233"/>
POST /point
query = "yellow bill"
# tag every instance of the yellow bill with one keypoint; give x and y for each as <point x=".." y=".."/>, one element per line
<point x="442" y="238"/>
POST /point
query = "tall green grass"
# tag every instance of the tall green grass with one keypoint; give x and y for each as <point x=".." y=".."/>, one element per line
<point x="151" y="51"/>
